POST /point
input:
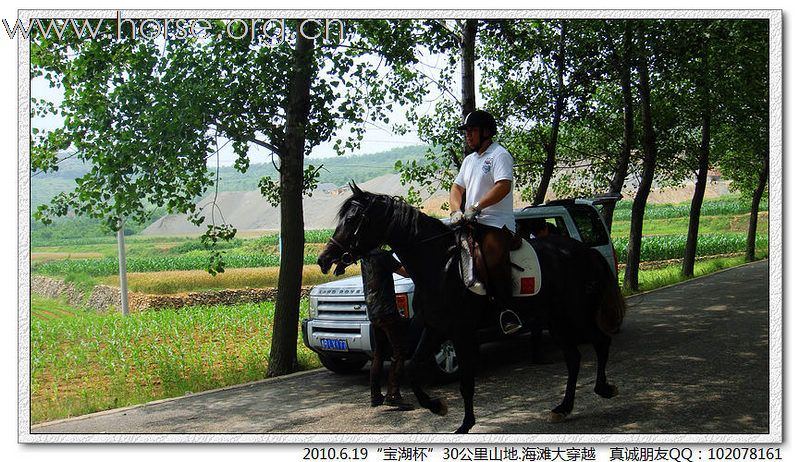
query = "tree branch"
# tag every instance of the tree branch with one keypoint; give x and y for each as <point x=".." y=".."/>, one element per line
<point x="275" y="150"/>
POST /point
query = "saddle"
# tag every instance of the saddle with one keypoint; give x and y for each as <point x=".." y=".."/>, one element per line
<point x="526" y="274"/>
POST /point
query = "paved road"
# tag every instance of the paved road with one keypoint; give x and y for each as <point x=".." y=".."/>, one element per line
<point x="692" y="358"/>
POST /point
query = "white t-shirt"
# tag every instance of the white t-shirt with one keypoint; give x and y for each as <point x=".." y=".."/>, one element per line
<point x="478" y="174"/>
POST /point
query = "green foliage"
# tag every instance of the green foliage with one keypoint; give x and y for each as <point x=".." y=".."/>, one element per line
<point x="742" y="145"/>
<point x="210" y="239"/>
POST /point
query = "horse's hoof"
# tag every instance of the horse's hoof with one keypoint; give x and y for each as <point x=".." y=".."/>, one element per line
<point x="557" y="417"/>
<point x="607" y="391"/>
<point x="438" y="406"/>
<point x="466" y="425"/>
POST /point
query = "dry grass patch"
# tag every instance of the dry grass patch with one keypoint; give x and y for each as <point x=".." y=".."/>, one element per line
<point x="173" y="282"/>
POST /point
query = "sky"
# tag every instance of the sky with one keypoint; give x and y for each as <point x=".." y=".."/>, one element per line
<point x="14" y="245"/>
<point x="377" y="138"/>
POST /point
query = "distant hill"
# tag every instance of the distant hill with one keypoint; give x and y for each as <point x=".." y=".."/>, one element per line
<point x="336" y="170"/>
<point x="45" y="186"/>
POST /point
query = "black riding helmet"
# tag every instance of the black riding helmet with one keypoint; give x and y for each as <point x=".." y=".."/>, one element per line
<point x="479" y="118"/>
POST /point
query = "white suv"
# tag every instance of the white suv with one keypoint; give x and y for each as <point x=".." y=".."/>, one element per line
<point x="338" y="329"/>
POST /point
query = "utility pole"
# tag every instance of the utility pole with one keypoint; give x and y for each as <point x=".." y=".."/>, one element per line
<point x="123" y="274"/>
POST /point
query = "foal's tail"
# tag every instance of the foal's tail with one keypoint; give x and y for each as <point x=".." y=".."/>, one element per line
<point x="612" y="304"/>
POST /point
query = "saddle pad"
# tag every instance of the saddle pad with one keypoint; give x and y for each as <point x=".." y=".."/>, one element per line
<point x="528" y="281"/>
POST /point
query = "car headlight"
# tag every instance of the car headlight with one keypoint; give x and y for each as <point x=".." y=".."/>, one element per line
<point x="313" y="302"/>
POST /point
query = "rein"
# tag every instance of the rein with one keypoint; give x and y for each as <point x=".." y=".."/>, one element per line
<point x="437" y="236"/>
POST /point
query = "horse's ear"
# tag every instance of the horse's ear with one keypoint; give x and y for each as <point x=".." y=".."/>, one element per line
<point x="354" y="187"/>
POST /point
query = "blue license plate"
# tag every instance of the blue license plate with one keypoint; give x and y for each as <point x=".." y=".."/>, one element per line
<point x="335" y="344"/>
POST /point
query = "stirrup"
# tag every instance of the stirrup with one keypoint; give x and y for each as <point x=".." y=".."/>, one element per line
<point x="510" y="326"/>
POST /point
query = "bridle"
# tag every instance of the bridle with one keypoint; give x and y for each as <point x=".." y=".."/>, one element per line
<point x="351" y="252"/>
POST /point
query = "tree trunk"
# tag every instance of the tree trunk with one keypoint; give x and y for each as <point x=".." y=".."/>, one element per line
<point x="621" y="171"/>
<point x="648" y="171"/>
<point x="468" y="33"/>
<point x="550" y="146"/>
<point x="283" y="354"/>
<point x="690" y="252"/>
<point x="750" y="254"/>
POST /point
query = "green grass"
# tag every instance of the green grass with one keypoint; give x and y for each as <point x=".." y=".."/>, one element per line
<point x="83" y="362"/>
<point x="52" y="308"/>
<point x="671" y="274"/>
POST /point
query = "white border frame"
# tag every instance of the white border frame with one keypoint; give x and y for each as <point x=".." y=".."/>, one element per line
<point x="775" y="233"/>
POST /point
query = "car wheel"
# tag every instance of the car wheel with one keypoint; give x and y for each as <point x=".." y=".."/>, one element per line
<point x="342" y="365"/>
<point x="444" y="365"/>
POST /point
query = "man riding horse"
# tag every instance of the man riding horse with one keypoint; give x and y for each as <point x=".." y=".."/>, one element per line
<point x="485" y="180"/>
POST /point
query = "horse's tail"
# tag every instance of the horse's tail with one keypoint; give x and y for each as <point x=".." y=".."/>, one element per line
<point x="612" y="304"/>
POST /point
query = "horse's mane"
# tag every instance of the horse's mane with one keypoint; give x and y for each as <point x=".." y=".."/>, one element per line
<point x="403" y="215"/>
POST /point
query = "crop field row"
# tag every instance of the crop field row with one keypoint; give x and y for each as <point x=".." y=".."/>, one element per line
<point x="656" y="248"/>
<point x="109" y="266"/>
<point x="716" y="207"/>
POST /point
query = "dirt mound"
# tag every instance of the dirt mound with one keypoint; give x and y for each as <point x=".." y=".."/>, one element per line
<point x="249" y="211"/>
<point x="684" y="192"/>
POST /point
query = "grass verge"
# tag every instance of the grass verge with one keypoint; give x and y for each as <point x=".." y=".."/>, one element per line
<point x="661" y="277"/>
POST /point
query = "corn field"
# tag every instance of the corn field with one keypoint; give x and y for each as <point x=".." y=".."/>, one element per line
<point x="86" y="363"/>
<point x="656" y="248"/>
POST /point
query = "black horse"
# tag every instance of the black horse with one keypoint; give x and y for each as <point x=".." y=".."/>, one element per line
<point x="579" y="297"/>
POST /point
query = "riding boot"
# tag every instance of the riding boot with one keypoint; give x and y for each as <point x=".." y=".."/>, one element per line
<point x="496" y="244"/>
